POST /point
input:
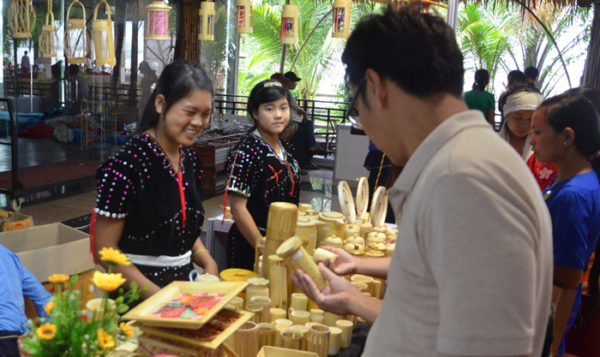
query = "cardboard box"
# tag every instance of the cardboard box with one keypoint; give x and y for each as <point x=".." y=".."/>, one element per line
<point x="15" y="221"/>
<point x="50" y="249"/>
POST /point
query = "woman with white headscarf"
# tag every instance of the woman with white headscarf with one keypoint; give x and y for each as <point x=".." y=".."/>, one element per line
<point x="516" y="130"/>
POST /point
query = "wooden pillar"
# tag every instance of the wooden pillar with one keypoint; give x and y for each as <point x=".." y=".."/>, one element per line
<point x="187" y="46"/>
<point x="591" y="75"/>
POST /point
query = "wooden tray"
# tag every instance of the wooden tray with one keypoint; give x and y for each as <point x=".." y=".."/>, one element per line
<point x="143" y="312"/>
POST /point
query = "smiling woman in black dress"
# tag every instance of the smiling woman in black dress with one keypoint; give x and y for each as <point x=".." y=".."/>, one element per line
<point x="261" y="171"/>
<point x="149" y="201"/>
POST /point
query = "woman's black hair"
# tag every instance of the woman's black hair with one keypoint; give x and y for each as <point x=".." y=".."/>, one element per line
<point x="482" y="79"/>
<point x="176" y="81"/>
<point x="265" y="92"/>
<point x="515" y="78"/>
<point x="593" y="96"/>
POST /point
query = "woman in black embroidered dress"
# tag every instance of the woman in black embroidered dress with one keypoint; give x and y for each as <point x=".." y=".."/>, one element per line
<point x="261" y="171"/>
<point x="149" y="201"/>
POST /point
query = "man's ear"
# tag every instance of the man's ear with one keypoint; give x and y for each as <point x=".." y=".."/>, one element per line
<point x="376" y="88"/>
<point x="160" y="103"/>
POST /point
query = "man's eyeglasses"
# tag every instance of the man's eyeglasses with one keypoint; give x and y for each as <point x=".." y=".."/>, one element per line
<point x="352" y="113"/>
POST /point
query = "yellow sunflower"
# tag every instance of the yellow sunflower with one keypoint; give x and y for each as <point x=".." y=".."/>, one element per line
<point x="49" y="306"/>
<point x="112" y="255"/>
<point x="105" y="339"/>
<point x="46" y="331"/>
<point x="108" y="282"/>
<point x="58" y="278"/>
<point x="127" y="330"/>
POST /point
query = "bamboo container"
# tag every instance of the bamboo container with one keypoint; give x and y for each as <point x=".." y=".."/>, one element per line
<point x="265" y="313"/>
<point x="257" y="287"/>
<point x="318" y="340"/>
<point x="331" y="318"/>
<point x="335" y="335"/>
<point x="304" y="330"/>
<point x="351" y="230"/>
<point x="281" y="225"/>
<point x="346" y="332"/>
<point x="257" y="310"/>
<point x="284" y="322"/>
<point x="317" y="315"/>
<point x="237" y="302"/>
<point x="333" y="225"/>
<point x="365" y="228"/>
<point x="306" y="230"/>
<point x="277" y="314"/>
<point x="278" y="282"/>
<point x="291" y="338"/>
<point x="246" y="340"/>
<point x="299" y="302"/>
<point x="358" y="278"/>
<point x="334" y="241"/>
<point x="300" y="317"/>
<point x="296" y="257"/>
<point x="323" y="254"/>
<point x="266" y="335"/>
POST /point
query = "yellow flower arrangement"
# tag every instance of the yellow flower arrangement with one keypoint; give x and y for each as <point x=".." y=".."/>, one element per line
<point x="46" y="331"/>
<point x="105" y="339"/>
<point x="107" y="281"/>
<point x="127" y="330"/>
<point x="69" y="330"/>
<point x="114" y="256"/>
<point x="58" y="278"/>
<point x="49" y="306"/>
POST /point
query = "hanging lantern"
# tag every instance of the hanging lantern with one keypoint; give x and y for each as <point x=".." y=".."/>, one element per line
<point x="341" y="18"/>
<point x="21" y="18"/>
<point x="75" y="36"/>
<point x="207" y="21"/>
<point x="48" y="40"/>
<point x="102" y="35"/>
<point x="158" y="21"/>
<point x="289" y="25"/>
<point x="244" y="16"/>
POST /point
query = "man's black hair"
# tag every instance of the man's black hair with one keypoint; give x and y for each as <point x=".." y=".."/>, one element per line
<point x="417" y="51"/>
<point x="532" y="72"/>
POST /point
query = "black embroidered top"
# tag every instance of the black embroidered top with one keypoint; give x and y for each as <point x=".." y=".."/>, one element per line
<point x="259" y="174"/>
<point x="138" y="184"/>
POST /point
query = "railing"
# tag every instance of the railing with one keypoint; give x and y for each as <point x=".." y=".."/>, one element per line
<point x="326" y="115"/>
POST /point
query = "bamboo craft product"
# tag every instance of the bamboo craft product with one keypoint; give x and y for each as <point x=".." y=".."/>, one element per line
<point x="334" y="241"/>
<point x="362" y="199"/>
<point x="296" y="257"/>
<point x="299" y="317"/>
<point x="318" y="340"/>
<point x="306" y="230"/>
<point x="256" y="287"/>
<point x="291" y="338"/>
<point x="331" y="318"/>
<point x="21" y="18"/>
<point x="277" y="314"/>
<point x="278" y="282"/>
<point x="379" y="207"/>
<point x="304" y="330"/>
<point x="335" y="335"/>
<point x="284" y="322"/>
<point x="317" y="315"/>
<point x="246" y="340"/>
<point x="265" y="303"/>
<point x="266" y="335"/>
<point x="358" y="278"/>
<point x="102" y="36"/>
<point x="346" y="201"/>
<point x="299" y="302"/>
<point x="281" y="225"/>
<point x="237" y="302"/>
<point x="346" y="335"/>
<point x="333" y="225"/>
<point x="351" y="230"/>
<point x="323" y="255"/>
<point x="257" y="310"/>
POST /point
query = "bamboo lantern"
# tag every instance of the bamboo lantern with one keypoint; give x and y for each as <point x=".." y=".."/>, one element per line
<point x="49" y="38"/>
<point x="341" y="18"/>
<point x="102" y="34"/>
<point x="207" y="21"/>
<point x="244" y="16"/>
<point x="158" y="21"/>
<point x="289" y="25"/>
<point x="76" y="36"/>
<point x="21" y="18"/>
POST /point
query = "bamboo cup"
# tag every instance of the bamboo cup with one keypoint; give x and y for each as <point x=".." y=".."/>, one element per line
<point x="331" y="318"/>
<point x="296" y="257"/>
<point x="335" y="335"/>
<point x="246" y="340"/>
<point x="304" y="330"/>
<point x="292" y="339"/>
<point x="317" y="315"/>
<point x="346" y="335"/>
<point x="322" y="255"/>
<point x="266" y="335"/>
<point x="277" y="313"/>
<point x="281" y="225"/>
<point x="299" y="302"/>
<point x="318" y="340"/>
<point x="284" y="322"/>
<point x="257" y="310"/>
<point x="300" y="317"/>
<point x="278" y="282"/>
<point x="237" y="302"/>
<point x="265" y="303"/>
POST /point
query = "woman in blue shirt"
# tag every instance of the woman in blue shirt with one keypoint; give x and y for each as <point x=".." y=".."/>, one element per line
<point x="566" y="132"/>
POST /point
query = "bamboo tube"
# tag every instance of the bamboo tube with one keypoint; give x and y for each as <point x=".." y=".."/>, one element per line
<point x="331" y="318"/>
<point x="346" y="337"/>
<point x="296" y="257"/>
<point x="335" y="335"/>
<point x="299" y="302"/>
<point x="237" y="302"/>
<point x="266" y="335"/>
<point x="318" y="340"/>
<point x="304" y="331"/>
<point x="377" y="288"/>
<point x="292" y="339"/>
<point x="257" y="310"/>
<point x="277" y="313"/>
<point x="284" y="322"/>
<point x="281" y="225"/>
<point x="322" y="255"/>
<point x="246" y="340"/>
<point x="300" y="317"/>
<point x="317" y="315"/>
<point x="358" y="278"/>
<point x="265" y="303"/>
<point x="256" y="287"/>
<point x="278" y="282"/>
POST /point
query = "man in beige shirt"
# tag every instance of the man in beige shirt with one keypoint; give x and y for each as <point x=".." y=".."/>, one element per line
<point x="472" y="270"/>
